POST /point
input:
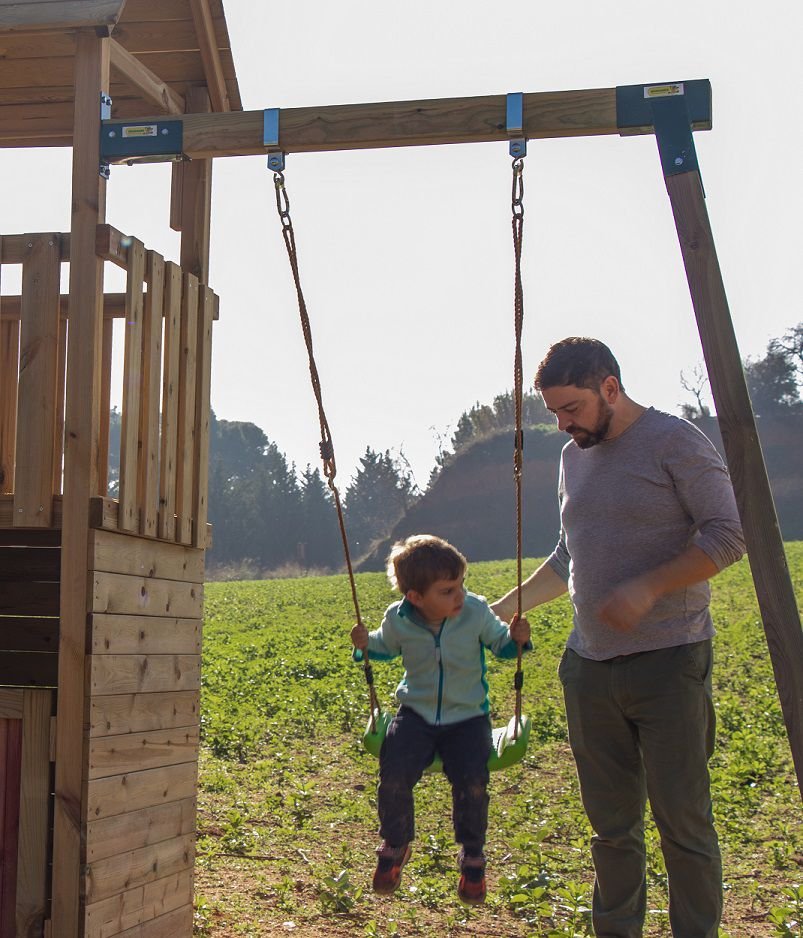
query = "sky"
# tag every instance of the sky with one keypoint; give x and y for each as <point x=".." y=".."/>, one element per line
<point x="406" y="254"/>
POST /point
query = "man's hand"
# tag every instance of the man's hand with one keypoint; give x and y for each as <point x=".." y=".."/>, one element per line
<point x="520" y="630"/>
<point x="359" y="636"/>
<point x="626" y="606"/>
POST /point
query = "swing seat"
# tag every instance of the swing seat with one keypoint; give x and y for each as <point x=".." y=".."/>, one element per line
<point x="505" y="751"/>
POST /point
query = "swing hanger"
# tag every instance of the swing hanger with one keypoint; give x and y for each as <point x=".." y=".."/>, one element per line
<point x="514" y="124"/>
<point x="270" y="139"/>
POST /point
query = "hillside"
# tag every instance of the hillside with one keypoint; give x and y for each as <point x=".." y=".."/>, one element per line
<point x="472" y="502"/>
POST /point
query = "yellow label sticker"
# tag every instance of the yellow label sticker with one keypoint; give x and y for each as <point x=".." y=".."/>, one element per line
<point x="141" y="130"/>
<point x="663" y="91"/>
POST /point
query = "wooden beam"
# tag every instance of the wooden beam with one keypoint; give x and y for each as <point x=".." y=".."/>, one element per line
<point x="149" y="85"/>
<point x="66" y="14"/>
<point x="196" y="202"/>
<point x="80" y="480"/>
<point x="210" y="54"/>
<point x="774" y="588"/>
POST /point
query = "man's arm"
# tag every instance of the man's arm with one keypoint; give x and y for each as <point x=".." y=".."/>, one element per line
<point x="626" y="605"/>
<point x="540" y="587"/>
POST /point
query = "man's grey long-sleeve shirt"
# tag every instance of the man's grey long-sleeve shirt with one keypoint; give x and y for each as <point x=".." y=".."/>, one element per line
<point x="630" y="504"/>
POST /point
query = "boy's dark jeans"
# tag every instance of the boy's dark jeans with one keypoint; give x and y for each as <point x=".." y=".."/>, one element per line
<point x="409" y="747"/>
<point x="642" y="726"/>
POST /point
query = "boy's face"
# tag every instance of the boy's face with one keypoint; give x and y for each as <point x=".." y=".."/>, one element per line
<point x="444" y="598"/>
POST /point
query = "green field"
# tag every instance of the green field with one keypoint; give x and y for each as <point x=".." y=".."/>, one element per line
<point x="287" y="819"/>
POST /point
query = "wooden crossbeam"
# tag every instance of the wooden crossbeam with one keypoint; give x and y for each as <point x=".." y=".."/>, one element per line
<point x="150" y="86"/>
<point x="407" y="123"/>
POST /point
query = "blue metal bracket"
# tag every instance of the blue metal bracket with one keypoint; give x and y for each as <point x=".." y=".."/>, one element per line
<point x="105" y="114"/>
<point x="270" y="138"/>
<point x="138" y="142"/>
<point x="514" y="124"/>
<point x="674" y="135"/>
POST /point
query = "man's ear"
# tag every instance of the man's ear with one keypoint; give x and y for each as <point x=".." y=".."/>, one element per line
<point x="610" y="389"/>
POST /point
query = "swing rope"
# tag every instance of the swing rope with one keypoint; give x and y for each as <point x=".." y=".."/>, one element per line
<point x="326" y="445"/>
<point x="517" y="205"/>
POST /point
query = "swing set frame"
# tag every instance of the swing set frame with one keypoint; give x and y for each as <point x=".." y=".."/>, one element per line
<point x="107" y="768"/>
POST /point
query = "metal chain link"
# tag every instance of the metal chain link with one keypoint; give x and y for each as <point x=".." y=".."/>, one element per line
<point x="326" y="445"/>
<point x="517" y="207"/>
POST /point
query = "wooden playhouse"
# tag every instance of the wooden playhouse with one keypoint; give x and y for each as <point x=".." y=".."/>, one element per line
<point x="101" y="597"/>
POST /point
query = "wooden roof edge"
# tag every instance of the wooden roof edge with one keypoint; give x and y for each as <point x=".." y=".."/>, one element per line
<point x="64" y="14"/>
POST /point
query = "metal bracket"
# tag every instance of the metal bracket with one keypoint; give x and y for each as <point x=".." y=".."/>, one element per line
<point x="138" y="142"/>
<point x="674" y="135"/>
<point x="105" y="114"/>
<point x="514" y="124"/>
<point x="270" y="138"/>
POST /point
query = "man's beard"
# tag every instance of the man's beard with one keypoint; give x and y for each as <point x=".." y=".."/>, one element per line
<point x="585" y="439"/>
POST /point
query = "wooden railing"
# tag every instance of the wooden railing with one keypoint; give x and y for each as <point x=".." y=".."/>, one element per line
<point x="165" y="407"/>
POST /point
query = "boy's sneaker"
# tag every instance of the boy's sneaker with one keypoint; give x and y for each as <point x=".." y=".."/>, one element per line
<point x="471" y="888"/>
<point x="389" y="865"/>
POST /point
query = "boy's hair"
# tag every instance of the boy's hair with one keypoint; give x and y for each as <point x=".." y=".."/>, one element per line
<point x="578" y="361"/>
<point x="419" y="560"/>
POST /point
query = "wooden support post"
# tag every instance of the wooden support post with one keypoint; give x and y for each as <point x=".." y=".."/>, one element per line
<point x="80" y="480"/>
<point x="195" y="192"/>
<point x="774" y="589"/>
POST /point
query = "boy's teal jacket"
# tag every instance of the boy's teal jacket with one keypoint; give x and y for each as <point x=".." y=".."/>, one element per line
<point x="444" y="678"/>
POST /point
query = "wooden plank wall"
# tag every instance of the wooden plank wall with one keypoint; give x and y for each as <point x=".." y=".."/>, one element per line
<point x="143" y="696"/>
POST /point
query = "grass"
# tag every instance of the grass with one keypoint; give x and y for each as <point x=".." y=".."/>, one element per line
<point x="287" y="810"/>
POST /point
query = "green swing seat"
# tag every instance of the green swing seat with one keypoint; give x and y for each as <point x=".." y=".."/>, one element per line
<point x="506" y="750"/>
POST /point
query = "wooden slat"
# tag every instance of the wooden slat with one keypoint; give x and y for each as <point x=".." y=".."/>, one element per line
<point x="126" y="635"/>
<point x="11" y="705"/>
<point x="7" y="512"/>
<point x="29" y="634"/>
<point x="210" y="54"/>
<point x="88" y="200"/>
<point x="126" y="832"/>
<point x="30" y="563"/>
<point x="29" y="537"/>
<point x="61" y="378"/>
<point x="11" y="771"/>
<point x="186" y="408"/>
<point x="157" y="11"/>
<point x="117" y="755"/>
<point x="176" y="36"/>
<point x="774" y="588"/>
<point x="174" y="923"/>
<point x="120" y="553"/>
<point x="36" y="431"/>
<point x="113" y="307"/>
<point x="32" y="882"/>
<point x="107" y="356"/>
<point x="9" y="377"/>
<point x="69" y="14"/>
<point x="140" y="713"/>
<point x="148" y="84"/>
<point x="110" y="916"/>
<point x="29" y="598"/>
<point x="28" y="669"/>
<point x="202" y="411"/>
<point x="119" y="873"/>
<point x="170" y="394"/>
<point x="132" y="386"/>
<point x="150" y="385"/>
<point x="131" y="674"/>
<point x="141" y="789"/>
<point x="130" y="595"/>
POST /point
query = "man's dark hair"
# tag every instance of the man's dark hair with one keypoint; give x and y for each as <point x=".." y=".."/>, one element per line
<point x="578" y="360"/>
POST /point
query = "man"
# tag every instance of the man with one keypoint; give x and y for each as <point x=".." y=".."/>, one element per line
<point x="648" y="516"/>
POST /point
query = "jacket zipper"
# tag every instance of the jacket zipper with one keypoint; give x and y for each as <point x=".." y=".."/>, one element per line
<point x="439" y="660"/>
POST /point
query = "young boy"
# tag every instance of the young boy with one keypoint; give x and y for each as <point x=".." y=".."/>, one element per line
<point x="441" y="631"/>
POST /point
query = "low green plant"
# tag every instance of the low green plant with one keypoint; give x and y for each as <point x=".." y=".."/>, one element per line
<point x="788" y="918"/>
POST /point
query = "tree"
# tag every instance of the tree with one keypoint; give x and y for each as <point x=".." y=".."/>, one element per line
<point x="377" y="496"/>
<point x="695" y="386"/>
<point x="320" y="542"/>
<point x="791" y="345"/>
<point x="772" y="382"/>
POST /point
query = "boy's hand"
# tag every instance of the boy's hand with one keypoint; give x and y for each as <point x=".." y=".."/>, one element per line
<point x="520" y="630"/>
<point x="359" y="636"/>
